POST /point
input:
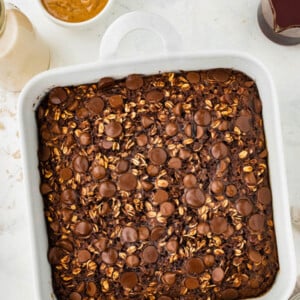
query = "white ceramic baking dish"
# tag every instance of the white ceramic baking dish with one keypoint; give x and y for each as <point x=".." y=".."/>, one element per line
<point x="108" y="65"/>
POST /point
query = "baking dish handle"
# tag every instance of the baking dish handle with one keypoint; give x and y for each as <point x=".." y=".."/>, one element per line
<point x="138" y="20"/>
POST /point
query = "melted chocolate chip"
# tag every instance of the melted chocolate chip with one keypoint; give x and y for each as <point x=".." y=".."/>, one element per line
<point x="68" y="196"/>
<point x="134" y="82"/>
<point x="202" y="117"/>
<point x="154" y="96"/>
<point x="109" y="256"/>
<point x="150" y="255"/>
<point x="157" y="156"/>
<point x="113" y="129"/>
<point x="98" y="172"/>
<point x="194" y="266"/>
<point x="219" y="150"/>
<point x="195" y="198"/>
<point x="107" y="189"/>
<point x="127" y="182"/>
<point x="129" y="235"/>
<point x="80" y="164"/>
<point x="218" y="225"/>
<point x="83" y="229"/>
<point x="244" y="207"/>
<point x="95" y="105"/>
<point x="128" y="280"/>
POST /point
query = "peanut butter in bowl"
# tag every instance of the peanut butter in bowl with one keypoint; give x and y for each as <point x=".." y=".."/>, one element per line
<point x="73" y="11"/>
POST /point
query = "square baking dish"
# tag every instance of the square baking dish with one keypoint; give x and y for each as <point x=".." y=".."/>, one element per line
<point x="169" y="62"/>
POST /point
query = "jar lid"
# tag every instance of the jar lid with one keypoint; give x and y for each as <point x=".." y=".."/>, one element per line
<point x="2" y="16"/>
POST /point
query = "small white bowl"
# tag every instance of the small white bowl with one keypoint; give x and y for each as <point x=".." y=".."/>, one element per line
<point x="82" y="24"/>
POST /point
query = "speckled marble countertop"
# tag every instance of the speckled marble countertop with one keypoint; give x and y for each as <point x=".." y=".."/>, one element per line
<point x="214" y="24"/>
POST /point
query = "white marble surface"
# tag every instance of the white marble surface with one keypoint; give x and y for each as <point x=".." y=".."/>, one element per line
<point x="213" y="24"/>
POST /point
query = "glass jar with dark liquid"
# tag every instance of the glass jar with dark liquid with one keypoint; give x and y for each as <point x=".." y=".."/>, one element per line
<point x="279" y="20"/>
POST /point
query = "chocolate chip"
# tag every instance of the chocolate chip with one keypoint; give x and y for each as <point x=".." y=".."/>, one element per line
<point x="160" y="196"/>
<point x="85" y="139"/>
<point x="116" y="101"/>
<point x="95" y="105"/>
<point x="217" y="275"/>
<point x="175" y="163"/>
<point x="128" y="280"/>
<point x="132" y="261"/>
<point x="129" y="235"/>
<point x="195" y="198"/>
<point x="66" y="214"/>
<point x="184" y="154"/>
<point x="231" y="190"/>
<point x="152" y="170"/>
<point x="229" y="294"/>
<point x="107" y="145"/>
<point x="144" y="233"/>
<point x="203" y="228"/>
<point x="58" y="95"/>
<point x="68" y="196"/>
<point x="83" y="229"/>
<point x="171" y="129"/>
<point x="219" y="150"/>
<point x="107" y="189"/>
<point x="172" y="246"/>
<point x="98" y="172"/>
<point x="127" y="182"/>
<point x="147" y="186"/>
<point x="177" y="110"/>
<point x="156" y="233"/>
<point x="169" y="278"/>
<point x="254" y="256"/>
<point x="264" y="195"/>
<point x="217" y="187"/>
<point x="75" y="296"/>
<point x="105" y="82"/>
<point x="209" y="260"/>
<point x="142" y="140"/>
<point x="134" y="82"/>
<point x="191" y="283"/>
<point x="189" y="181"/>
<point x="218" y="225"/>
<point x="80" y="164"/>
<point x="82" y="113"/>
<point x="244" y="207"/>
<point x="150" y="255"/>
<point x="157" y="156"/>
<point x="100" y="244"/>
<point x="202" y="117"/>
<point x="146" y="121"/>
<point x="166" y="209"/>
<point x="194" y="266"/>
<point x="65" y="244"/>
<point x="220" y="75"/>
<point x="91" y="289"/>
<point x="109" y="256"/>
<point x="44" y="153"/>
<point x="154" y="96"/>
<point x="122" y="166"/>
<point x="45" y="188"/>
<point x="193" y="77"/>
<point x="83" y="256"/>
<point x="113" y="129"/>
<point x="243" y="123"/>
<point x="250" y="178"/>
<point x="65" y="174"/>
<point x="257" y="222"/>
<point x="55" y="255"/>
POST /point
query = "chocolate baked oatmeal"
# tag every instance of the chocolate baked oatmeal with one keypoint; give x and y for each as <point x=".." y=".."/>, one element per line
<point x="157" y="187"/>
